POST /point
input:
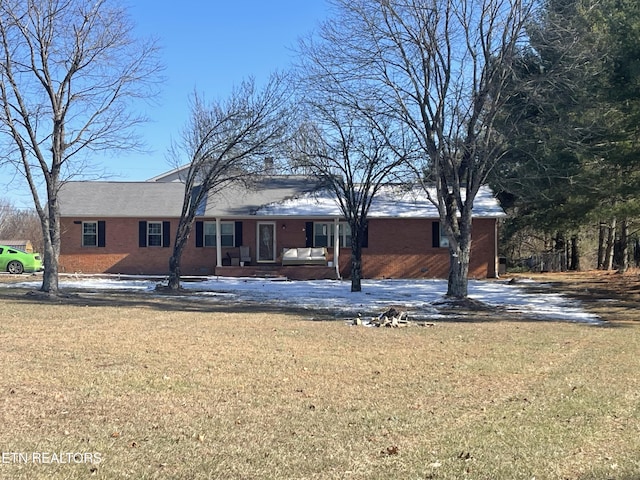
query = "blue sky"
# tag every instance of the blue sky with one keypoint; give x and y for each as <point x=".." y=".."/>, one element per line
<point x="208" y="46"/>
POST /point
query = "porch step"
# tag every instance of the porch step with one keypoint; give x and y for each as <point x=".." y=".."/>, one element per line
<point x="292" y="272"/>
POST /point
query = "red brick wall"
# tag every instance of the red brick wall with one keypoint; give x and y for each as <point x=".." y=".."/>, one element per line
<point x="404" y="250"/>
<point x="398" y="248"/>
<point x="121" y="253"/>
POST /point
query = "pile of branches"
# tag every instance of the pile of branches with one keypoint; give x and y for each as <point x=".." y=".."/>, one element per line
<point x="391" y="318"/>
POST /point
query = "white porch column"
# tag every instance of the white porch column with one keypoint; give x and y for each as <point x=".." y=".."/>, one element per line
<point x="218" y="244"/>
<point x="496" y="257"/>
<point x="336" y="246"/>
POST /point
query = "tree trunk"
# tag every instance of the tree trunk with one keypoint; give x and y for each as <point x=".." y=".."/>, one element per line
<point x="624" y="247"/>
<point x="575" y="253"/>
<point x="459" y="255"/>
<point x="174" y="270"/>
<point x="559" y="253"/>
<point x="611" y="240"/>
<point x="559" y="242"/>
<point x="458" y="284"/>
<point x="51" y="237"/>
<point x="602" y="230"/>
<point x="50" y="264"/>
<point x="182" y="235"/>
<point x="356" y="266"/>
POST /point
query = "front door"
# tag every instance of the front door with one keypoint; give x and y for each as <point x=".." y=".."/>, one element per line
<point x="266" y="242"/>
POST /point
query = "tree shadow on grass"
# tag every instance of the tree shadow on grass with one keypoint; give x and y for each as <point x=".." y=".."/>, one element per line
<point x="175" y="302"/>
<point x="446" y="311"/>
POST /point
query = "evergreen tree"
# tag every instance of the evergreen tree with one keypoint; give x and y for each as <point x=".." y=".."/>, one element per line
<point x="576" y="148"/>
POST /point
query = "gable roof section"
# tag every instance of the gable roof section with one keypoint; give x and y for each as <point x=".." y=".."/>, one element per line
<point x="390" y="202"/>
<point x="238" y="201"/>
<point x="121" y="199"/>
<point x="176" y="175"/>
<point x="164" y="199"/>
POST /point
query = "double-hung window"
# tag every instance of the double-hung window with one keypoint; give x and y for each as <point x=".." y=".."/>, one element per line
<point x="227" y="234"/>
<point x="93" y="233"/>
<point x="324" y="234"/>
<point x="154" y="234"/>
<point x="209" y="232"/>
<point x="89" y="234"/>
<point x="344" y="233"/>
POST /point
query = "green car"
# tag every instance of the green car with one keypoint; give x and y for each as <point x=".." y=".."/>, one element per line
<point x="16" y="261"/>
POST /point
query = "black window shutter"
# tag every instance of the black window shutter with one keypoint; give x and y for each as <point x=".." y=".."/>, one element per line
<point x="365" y="236"/>
<point x="435" y="234"/>
<point x="166" y="234"/>
<point x="142" y="234"/>
<point x="199" y="234"/>
<point x="102" y="234"/>
<point x="308" y="231"/>
<point x="238" y="235"/>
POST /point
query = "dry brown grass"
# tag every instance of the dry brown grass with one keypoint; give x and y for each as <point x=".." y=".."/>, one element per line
<point x="612" y="296"/>
<point x="163" y="391"/>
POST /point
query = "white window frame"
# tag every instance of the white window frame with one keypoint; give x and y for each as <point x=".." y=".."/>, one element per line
<point x="344" y="232"/>
<point x="155" y="234"/>
<point x="94" y="234"/>
<point x="444" y="240"/>
<point x="326" y="231"/>
<point x="227" y="239"/>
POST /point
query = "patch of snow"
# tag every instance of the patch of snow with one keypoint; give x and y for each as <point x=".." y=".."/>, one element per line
<point x="416" y="296"/>
<point x="390" y="202"/>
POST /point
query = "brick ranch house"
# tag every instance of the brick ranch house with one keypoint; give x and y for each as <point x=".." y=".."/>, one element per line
<point x="129" y="227"/>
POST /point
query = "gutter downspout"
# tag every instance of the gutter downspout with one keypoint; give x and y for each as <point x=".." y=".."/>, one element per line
<point x="496" y="258"/>
<point x="218" y="244"/>
<point x="336" y="247"/>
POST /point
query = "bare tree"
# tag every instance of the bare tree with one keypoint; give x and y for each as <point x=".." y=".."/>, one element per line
<point x="439" y="68"/>
<point x="20" y="224"/>
<point x="68" y="69"/>
<point x="7" y="219"/>
<point x="346" y="151"/>
<point x="226" y="142"/>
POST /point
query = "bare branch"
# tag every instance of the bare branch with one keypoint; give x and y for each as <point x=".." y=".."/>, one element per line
<point x="68" y="70"/>
<point x="438" y="68"/>
<point x="227" y="142"/>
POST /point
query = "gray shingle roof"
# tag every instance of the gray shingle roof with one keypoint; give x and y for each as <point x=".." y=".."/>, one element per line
<point x="121" y="199"/>
<point x="237" y="201"/>
<point x="273" y="196"/>
<point x="164" y="199"/>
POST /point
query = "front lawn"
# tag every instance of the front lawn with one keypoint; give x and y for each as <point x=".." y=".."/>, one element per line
<point x="147" y="391"/>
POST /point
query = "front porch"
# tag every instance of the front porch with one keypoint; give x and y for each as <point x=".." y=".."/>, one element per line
<point x="291" y="272"/>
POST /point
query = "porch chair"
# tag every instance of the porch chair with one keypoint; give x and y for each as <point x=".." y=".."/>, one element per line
<point x="245" y="255"/>
<point x="235" y="257"/>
